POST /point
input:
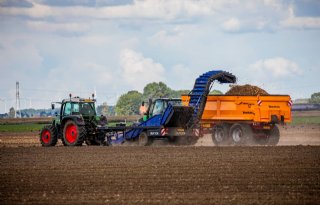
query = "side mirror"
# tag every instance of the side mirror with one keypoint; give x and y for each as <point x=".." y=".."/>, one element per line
<point x="52" y="106"/>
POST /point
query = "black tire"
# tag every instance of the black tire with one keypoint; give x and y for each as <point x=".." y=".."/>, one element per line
<point x="94" y="140"/>
<point x="91" y="142"/>
<point x="73" y="134"/>
<point x="220" y="135"/>
<point x="186" y="140"/>
<point x="143" y="139"/>
<point x="261" y="138"/>
<point x="172" y="139"/>
<point x="241" y="134"/>
<point x="274" y="136"/>
<point x="48" y="136"/>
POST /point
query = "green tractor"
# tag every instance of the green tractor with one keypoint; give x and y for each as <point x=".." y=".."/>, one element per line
<point x="76" y="123"/>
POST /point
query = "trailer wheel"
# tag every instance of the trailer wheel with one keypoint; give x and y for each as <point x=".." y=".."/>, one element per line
<point x="48" y="136"/>
<point x="274" y="136"/>
<point x="261" y="138"/>
<point x="73" y="134"/>
<point x="143" y="139"/>
<point x="220" y="135"/>
<point x="241" y="134"/>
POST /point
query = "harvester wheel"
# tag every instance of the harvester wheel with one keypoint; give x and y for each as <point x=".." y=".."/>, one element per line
<point x="48" y="136"/>
<point x="73" y="134"/>
<point x="241" y="134"/>
<point x="220" y="135"/>
<point x="274" y="136"/>
<point x="172" y="139"/>
<point x="143" y="139"/>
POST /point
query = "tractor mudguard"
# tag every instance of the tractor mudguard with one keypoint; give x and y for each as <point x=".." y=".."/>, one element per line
<point x="75" y="118"/>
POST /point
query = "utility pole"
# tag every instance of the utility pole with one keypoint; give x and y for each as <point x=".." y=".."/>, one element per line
<point x="17" y="100"/>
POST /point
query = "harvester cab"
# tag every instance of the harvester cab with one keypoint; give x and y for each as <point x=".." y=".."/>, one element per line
<point x="158" y="106"/>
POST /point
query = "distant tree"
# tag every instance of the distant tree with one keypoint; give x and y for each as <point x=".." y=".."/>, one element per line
<point x="182" y="92"/>
<point x="216" y="92"/>
<point x="12" y="112"/>
<point x="157" y="90"/>
<point x="315" y="98"/>
<point x="103" y="109"/>
<point x="129" y="103"/>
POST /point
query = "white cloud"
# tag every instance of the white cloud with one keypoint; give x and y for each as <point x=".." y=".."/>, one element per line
<point x="276" y="67"/>
<point x="300" y="22"/>
<point x="167" y="37"/>
<point x="22" y="56"/>
<point x="231" y="25"/>
<point x="232" y="15"/>
<point x="95" y="40"/>
<point x="53" y="27"/>
<point x="138" y="70"/>
<point x="182" y="77"/>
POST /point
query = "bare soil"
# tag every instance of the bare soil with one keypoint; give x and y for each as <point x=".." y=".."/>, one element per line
<point x="160" y="175"/>
<point x="201" y="174"/>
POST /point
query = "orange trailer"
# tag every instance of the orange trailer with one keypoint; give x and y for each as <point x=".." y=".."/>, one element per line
<point x="244" y="119"/>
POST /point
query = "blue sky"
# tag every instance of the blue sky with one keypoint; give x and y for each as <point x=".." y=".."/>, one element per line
<point x="54" y="48"/>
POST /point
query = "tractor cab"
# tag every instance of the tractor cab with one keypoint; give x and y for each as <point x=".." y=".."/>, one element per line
<point x="78" y="106"/>
<point x="158" y="106"/>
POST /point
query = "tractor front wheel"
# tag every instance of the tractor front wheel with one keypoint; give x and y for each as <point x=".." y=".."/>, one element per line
<point x="73" y="134"/>
<point x="48" y="136"/>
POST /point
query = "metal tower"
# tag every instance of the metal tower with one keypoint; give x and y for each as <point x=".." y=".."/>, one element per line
<point x="17" y="100"/>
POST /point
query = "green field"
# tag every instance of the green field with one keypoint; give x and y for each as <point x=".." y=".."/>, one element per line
<point x="21" y="127"/>
<point x="306" y="120"/>
<point x="29" y="127"/>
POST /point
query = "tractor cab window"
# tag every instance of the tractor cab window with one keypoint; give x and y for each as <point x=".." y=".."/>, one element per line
<point x="67" y="109"/>
<point x="71" y="108"/>
<point x="75" y="107"/>
<point x="158" y="108"/>
<point x="174" y="102"/>
<point x="87" y="109"/>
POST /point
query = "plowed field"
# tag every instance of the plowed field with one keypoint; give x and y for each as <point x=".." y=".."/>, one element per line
<point x="160" y="175"/>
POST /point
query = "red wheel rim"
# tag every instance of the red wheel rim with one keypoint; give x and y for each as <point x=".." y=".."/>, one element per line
<point x="46" y="136"/>
<point x="71" y="133"/>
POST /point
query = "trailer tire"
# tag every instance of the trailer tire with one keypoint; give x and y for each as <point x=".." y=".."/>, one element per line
<point x="143" y="139"/>
<point x="73" y="134"/>
<point x="48" y="136"/>
<point x="241" y="134"/>
<point x="220" y="135"/>
<point x="274" y="136"/>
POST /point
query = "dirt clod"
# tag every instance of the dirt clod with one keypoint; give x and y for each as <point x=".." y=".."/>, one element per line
<point x="246" y="90"/>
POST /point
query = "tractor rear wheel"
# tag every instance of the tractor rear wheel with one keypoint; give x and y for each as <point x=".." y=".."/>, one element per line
<point x="143" y="139"/>
<point x="73" y="134"/>
<point x="48" y="136"/>
<point x="241" y="134"/>
<point x="220" y="135"/>
<point x="274" y="136"/>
